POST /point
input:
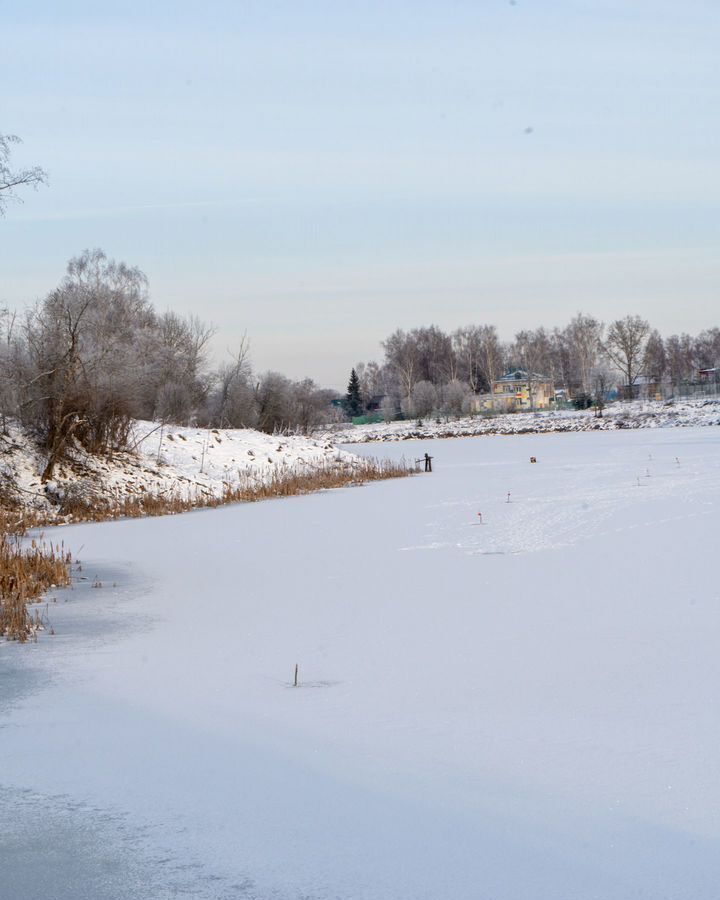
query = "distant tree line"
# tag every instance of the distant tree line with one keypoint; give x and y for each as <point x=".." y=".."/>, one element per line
<point x="94" y="354"/>
<point x="85" y="361"/>
<point x="428" y="371"/>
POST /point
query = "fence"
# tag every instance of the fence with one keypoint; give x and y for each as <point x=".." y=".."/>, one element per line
<point x="692" y="389"/>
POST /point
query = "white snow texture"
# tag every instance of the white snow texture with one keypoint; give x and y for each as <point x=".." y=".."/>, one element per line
<point x="521" y="705"/>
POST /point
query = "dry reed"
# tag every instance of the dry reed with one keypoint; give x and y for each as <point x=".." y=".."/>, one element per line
<point x="283" y="482"/>
<point x="27" y="570"/>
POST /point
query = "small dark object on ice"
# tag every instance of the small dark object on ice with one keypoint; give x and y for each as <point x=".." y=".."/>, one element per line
<point x="533" y="459"/>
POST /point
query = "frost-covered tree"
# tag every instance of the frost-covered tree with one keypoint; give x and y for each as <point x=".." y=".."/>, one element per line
<point x="284" y="405"/>
<point x="175" y="364"/>
<point x="231" y="398"/>
<point x="10" y="353"/>
<point x="84" y="376"/>
<point x="95" y="355"/>
<point x="424" y="398"/>
<point x="389" y="408"/>
<point x="401" y="353"/>
<point x="10" y="178"/>
<point x="583" y="338"/>
<point x="453" y="397"/>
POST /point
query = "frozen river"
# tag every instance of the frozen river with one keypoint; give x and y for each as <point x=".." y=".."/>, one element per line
<point x="520" y="705"/>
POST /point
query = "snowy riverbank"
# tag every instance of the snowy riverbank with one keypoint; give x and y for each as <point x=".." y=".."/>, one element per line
<point x="638" y="414"/>
<point x="191" y="463"/>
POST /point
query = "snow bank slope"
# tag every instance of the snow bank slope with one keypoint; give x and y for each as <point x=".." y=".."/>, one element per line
<point x="165" y="460"/>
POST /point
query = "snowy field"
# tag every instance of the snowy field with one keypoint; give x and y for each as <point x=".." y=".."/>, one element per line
<point x="520" y="707"/>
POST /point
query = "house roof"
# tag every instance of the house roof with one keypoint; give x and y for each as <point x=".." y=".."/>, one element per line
<point x="522" y="375"/>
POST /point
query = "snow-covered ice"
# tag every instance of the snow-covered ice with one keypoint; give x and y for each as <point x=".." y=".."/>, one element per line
<point x="523" y="707"/>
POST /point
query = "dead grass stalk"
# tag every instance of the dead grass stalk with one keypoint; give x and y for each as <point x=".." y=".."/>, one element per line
<point x="285" y="481"/>
<point x="27" y="570"/>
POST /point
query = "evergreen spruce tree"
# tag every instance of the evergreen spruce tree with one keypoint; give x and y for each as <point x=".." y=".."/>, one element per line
<point x="353" y="402"/>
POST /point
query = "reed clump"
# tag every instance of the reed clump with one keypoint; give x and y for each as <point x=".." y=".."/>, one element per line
<point x="27" y="570"/>
<point x="288" y="482"/>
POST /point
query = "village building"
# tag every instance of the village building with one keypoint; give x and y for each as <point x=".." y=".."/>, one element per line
<point x="517" y="391"/>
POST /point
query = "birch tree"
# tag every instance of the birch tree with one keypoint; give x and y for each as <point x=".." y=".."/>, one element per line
<point x="625" y="346"/>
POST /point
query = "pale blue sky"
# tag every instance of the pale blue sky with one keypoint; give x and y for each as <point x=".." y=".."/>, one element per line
<point x="319" y="173"/>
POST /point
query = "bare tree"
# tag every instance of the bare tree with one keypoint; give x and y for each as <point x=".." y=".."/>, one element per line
<point x="478" y="354"/>
<point x="96" y="356"/>
<point x="532" y="350"/>
<point x="284" y="405"/>
<point x="371" y="380"/>
<point x="707" y="348"/>
<point x="233" y="398"/>
<point x="8" y="367"/>
<point x="655" y="358"/>
<point x="55" y="338"/>
<point x="11" y="180"/>
<point x="401" y="353"/>
<point x="310" y="405"/>
<point x="601" y="380"/>
<point x="625" y="346"/>
<point x="584" y="340"/>
<point x="175" y="363"/>
<point x="680" y="354"/>
<point x="423" y="354"/>
<point x="435" y="357"/>
<point x="490" y="356"/>
<point x="561" y="358"/>
<point x="274" y="403"/>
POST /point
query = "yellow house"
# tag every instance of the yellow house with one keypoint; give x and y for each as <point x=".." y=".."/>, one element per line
<point x="520" y="390"/>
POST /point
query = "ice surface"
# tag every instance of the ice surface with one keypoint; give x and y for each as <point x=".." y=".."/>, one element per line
<point x="524" y="707"/>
